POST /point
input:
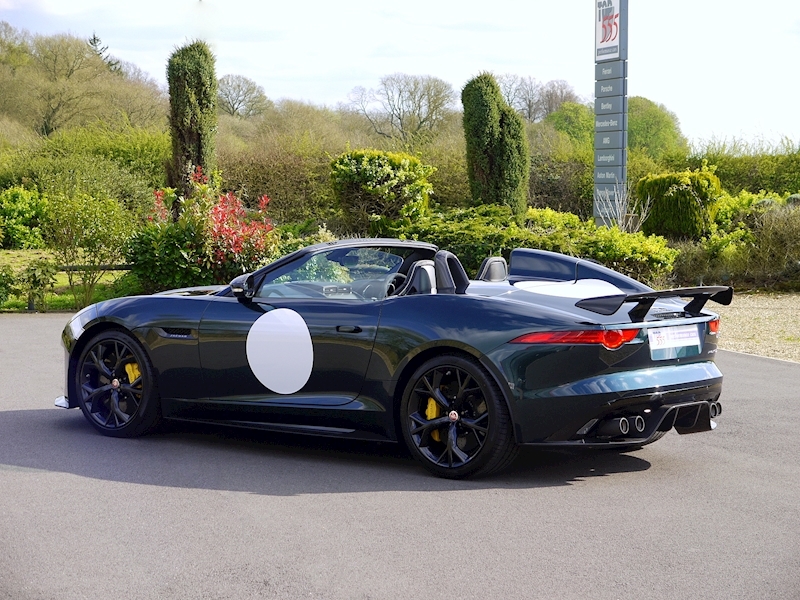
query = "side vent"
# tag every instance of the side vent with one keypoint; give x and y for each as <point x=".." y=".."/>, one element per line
<point x="177" y="332"/>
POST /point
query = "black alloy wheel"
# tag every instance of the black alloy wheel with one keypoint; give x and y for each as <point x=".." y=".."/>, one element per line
<point x="455" y="420"/>
<point x="115" y="385"/>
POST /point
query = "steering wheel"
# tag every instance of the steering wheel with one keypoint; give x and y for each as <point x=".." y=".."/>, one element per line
<point x="393" y="282"/>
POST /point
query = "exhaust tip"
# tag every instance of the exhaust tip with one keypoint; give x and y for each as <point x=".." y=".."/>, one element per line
<point x="613" y="427"/>
<point x="638" y="423"/>
<point x="713" y="409"/>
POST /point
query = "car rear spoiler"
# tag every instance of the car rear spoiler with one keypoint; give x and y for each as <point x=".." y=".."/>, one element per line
<point x="608" y="305"/>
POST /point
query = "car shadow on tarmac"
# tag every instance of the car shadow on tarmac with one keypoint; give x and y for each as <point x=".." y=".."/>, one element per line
<point x="211" y="457"/>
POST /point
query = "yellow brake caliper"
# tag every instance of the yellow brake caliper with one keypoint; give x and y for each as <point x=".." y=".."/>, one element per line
<point x="132" y="369"/>
<point x="432" y="411"/>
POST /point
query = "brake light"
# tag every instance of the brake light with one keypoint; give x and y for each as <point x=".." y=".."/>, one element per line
<point x="713" y="326"/>
<point x="610" y="338"/>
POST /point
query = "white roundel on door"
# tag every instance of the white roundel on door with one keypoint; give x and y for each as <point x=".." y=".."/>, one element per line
<point x="279" y="350"/>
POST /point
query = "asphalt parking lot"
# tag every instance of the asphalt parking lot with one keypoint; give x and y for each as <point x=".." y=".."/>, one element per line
<point x="195" y="512"/>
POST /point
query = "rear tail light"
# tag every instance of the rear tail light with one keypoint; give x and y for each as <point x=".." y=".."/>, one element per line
<point x="713" y="326"/>
<point x="610" y="338"/>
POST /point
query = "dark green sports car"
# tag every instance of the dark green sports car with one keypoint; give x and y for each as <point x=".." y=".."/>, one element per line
<point x="382" y="339"/>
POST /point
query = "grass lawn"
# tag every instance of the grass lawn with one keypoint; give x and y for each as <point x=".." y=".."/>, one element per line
<point x="111" y="285"/>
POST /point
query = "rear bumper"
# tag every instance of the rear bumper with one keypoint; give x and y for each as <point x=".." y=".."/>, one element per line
<point x="678" y="396"/>
<point x="691" y="417"/>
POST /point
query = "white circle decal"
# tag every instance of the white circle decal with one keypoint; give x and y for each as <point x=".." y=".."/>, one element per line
<point x="279" y="350"/>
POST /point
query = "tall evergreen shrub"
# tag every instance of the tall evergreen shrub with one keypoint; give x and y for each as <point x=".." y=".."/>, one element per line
<point x="680" y="203"/>
<point x="193" y="114"/>
<point x="498" y="161"/>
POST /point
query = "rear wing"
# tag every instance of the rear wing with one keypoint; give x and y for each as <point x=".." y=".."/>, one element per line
<point x="608" y="305"/>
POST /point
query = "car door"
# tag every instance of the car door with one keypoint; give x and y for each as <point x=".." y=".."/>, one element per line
<point x="305" y="338"/>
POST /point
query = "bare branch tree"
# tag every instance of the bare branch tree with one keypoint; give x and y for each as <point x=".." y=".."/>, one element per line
<point x="408" y="108"/>
<point x="65" y="89"/>
<point x="554" y="94"/>
<point x="533" y="100"/>
<point x="529" y="99"/>
<point x="241" y="97"/>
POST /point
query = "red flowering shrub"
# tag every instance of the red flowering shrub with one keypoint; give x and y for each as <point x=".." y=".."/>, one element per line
<point x="239" y="241"/>
<point x="215" y="239"/>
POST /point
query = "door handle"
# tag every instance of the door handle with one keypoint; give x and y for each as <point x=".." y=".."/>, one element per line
<point x="348" y="329"/>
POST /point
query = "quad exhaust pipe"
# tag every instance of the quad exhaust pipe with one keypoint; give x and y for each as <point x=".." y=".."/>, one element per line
<point x="714" y="409"/>
<point x="621" y="426"/>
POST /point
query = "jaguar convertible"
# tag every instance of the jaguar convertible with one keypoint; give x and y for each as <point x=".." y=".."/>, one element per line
<point x="388" y="340"/>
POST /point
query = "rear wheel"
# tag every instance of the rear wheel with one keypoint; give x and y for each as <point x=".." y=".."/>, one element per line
<point x="115" y="385"/>
<point x="454" y="419"/>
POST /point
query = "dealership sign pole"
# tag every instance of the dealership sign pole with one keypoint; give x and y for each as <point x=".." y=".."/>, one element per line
<point x="610" y="109"/>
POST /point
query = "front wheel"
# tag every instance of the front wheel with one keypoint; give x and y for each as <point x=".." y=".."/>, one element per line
<point x="454" y="419"/>
<point x="115" y="385"/>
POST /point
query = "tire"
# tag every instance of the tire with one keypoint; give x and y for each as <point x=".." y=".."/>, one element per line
<point x="454" y="419"/>
<point x="116" y="389"/>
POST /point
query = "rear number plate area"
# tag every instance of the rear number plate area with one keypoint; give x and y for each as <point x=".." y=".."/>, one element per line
<point x="673" y="342"/>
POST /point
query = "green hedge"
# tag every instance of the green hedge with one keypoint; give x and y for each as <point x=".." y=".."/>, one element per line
<point x="475" y="233"/>
<point x="752" y="168"/>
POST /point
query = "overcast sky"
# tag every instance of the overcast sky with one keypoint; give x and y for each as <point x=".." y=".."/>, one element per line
<point x="726" y="68"/>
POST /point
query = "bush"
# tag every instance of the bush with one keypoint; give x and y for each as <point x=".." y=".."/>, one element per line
<point x="294" y="173"/>
<point x="742" y="210"/>
<point x="36" y="281"/>
<point x="764" y="253"/>
<point x="680" y="203"/>
<point x="169" y="255"/>
<point x="289" y="241"/>
<point x="7" y="283"/>
<point x="213" y="241"/>
<point x="475" y="233"/>
<point x="21" y="215"/>
<point x="719" y="259"/>
<point x="75" y="174"/>
<point x="371" y="184"/>
<point x="239" y="242"/>
<point x="88" y="232"/>
<point x="143" y="153"/>
<point x="775" y="253"/>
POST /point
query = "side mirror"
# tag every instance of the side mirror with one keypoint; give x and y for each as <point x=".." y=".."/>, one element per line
<point x="243" y="286"/>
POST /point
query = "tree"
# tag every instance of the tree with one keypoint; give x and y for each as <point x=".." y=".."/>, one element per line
<point x="63" y="82"/>
<point x="96" y="44"/>
<point x="193" y="115"/>
<point x="241" y="97"/>
<point x="575" y="120"/>
<point x="498" y="162"/>
<point x="553" y="94"/>
<point x="52" y="82"/>
<point x="527" y="99"/>
<point x="408" y="108"/>
<point x="533" y="100"/>
<point x="653" y="129"/>
<point x="90" y="233"/>
<point x="135" y="98"/>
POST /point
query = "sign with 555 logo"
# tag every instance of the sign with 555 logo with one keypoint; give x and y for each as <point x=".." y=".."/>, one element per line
<point x="609" y="29"/>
